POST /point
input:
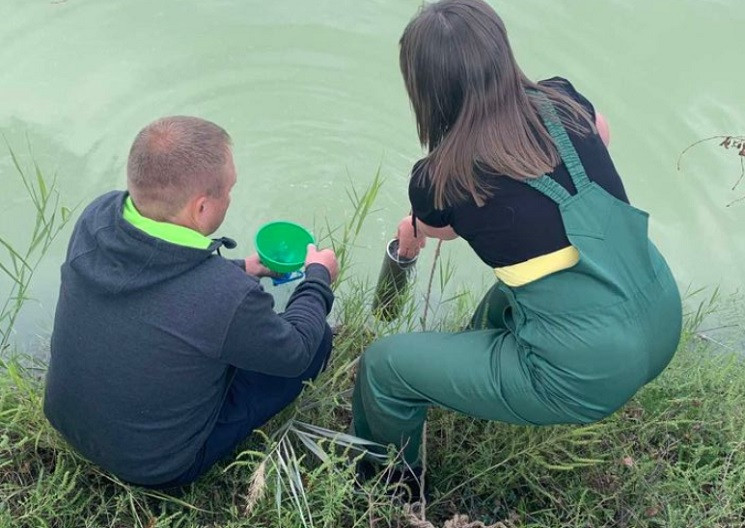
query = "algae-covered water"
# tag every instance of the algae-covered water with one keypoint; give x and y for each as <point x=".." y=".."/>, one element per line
<point x="311" y="93"/>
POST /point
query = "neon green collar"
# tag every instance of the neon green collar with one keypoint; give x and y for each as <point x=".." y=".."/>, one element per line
<point x="175" y="234"/>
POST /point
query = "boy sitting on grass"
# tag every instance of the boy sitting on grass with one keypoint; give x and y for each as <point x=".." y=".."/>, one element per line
<point x="165" y="355"/>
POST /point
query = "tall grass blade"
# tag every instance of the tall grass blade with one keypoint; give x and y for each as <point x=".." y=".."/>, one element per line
<point x="10" y="274"/>
<point x="41" y="184"/>
<point x="14" y="254"/>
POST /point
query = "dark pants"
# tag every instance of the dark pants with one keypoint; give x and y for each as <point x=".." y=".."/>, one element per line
<point x="251" y="401"/>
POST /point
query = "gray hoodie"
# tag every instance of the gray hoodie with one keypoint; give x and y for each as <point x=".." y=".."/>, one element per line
<point x="147" y="335"/>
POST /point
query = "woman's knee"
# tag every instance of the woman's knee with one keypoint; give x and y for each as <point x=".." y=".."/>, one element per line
<point x="377" y="361"/>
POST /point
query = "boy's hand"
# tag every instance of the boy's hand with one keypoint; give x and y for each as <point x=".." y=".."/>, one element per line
<point x="325" y="257"/>
<point x="257" y="269"/>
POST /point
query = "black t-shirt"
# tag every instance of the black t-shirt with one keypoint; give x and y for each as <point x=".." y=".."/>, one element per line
<point x="518" y="223"/>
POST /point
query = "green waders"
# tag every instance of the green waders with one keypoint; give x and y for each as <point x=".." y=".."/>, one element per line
<point x="571" y="347"/>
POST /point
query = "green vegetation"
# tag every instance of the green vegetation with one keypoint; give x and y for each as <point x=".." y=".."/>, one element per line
<point x="673" y="456"/>
<point x="20" y="264"/>
<point x="733" y="144"/>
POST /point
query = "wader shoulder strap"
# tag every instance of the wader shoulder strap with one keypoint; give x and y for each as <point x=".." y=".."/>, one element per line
<point x="545" y="184"/>
<point x="548" y="186"/>
<point x="563" y="144"/>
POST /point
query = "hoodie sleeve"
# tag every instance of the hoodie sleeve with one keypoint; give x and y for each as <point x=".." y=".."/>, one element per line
<point x="241" y="263"/>
<point x="284" y="345"/>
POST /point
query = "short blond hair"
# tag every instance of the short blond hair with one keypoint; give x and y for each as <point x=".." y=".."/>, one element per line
<point x="174" y="158"/>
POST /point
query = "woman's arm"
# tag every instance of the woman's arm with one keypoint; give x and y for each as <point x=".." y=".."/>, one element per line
<point x="409" y="245"/>
<point x="443" y="233"/>
<point x="602" y="125"/>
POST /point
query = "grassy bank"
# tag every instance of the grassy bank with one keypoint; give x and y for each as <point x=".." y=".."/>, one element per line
<point x="671" y="457"/>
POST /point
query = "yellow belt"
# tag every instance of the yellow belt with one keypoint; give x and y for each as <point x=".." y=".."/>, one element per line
<point x="536" y="268"/>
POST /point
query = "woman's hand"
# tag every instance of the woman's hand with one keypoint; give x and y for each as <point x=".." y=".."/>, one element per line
<point x="408" y="244"/>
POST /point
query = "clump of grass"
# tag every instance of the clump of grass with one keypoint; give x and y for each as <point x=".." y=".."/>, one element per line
<point x="20" y="264"/>
<point x="671" y="457"/>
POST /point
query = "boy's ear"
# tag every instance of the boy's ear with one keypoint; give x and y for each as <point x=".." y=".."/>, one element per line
<point x="195" y="209"/>
<point x="200" y="206"/>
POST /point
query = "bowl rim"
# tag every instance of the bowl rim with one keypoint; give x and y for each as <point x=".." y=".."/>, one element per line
<point x="281" y="222"/>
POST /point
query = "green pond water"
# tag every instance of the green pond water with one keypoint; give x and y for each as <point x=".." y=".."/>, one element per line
<point x="312" y="95"/>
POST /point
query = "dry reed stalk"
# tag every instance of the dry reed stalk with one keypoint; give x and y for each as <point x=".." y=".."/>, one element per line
<point x="429" y="284"/>
<point x="256" y="489"/>
<point x="458" y="521"/>
<point x="422" y="499"/>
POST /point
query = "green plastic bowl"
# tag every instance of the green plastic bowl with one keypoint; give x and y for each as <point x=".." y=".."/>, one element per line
<point x="283" y="246"/>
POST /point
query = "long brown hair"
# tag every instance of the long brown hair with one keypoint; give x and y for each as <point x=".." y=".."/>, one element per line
<point x="472" y="102"/>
